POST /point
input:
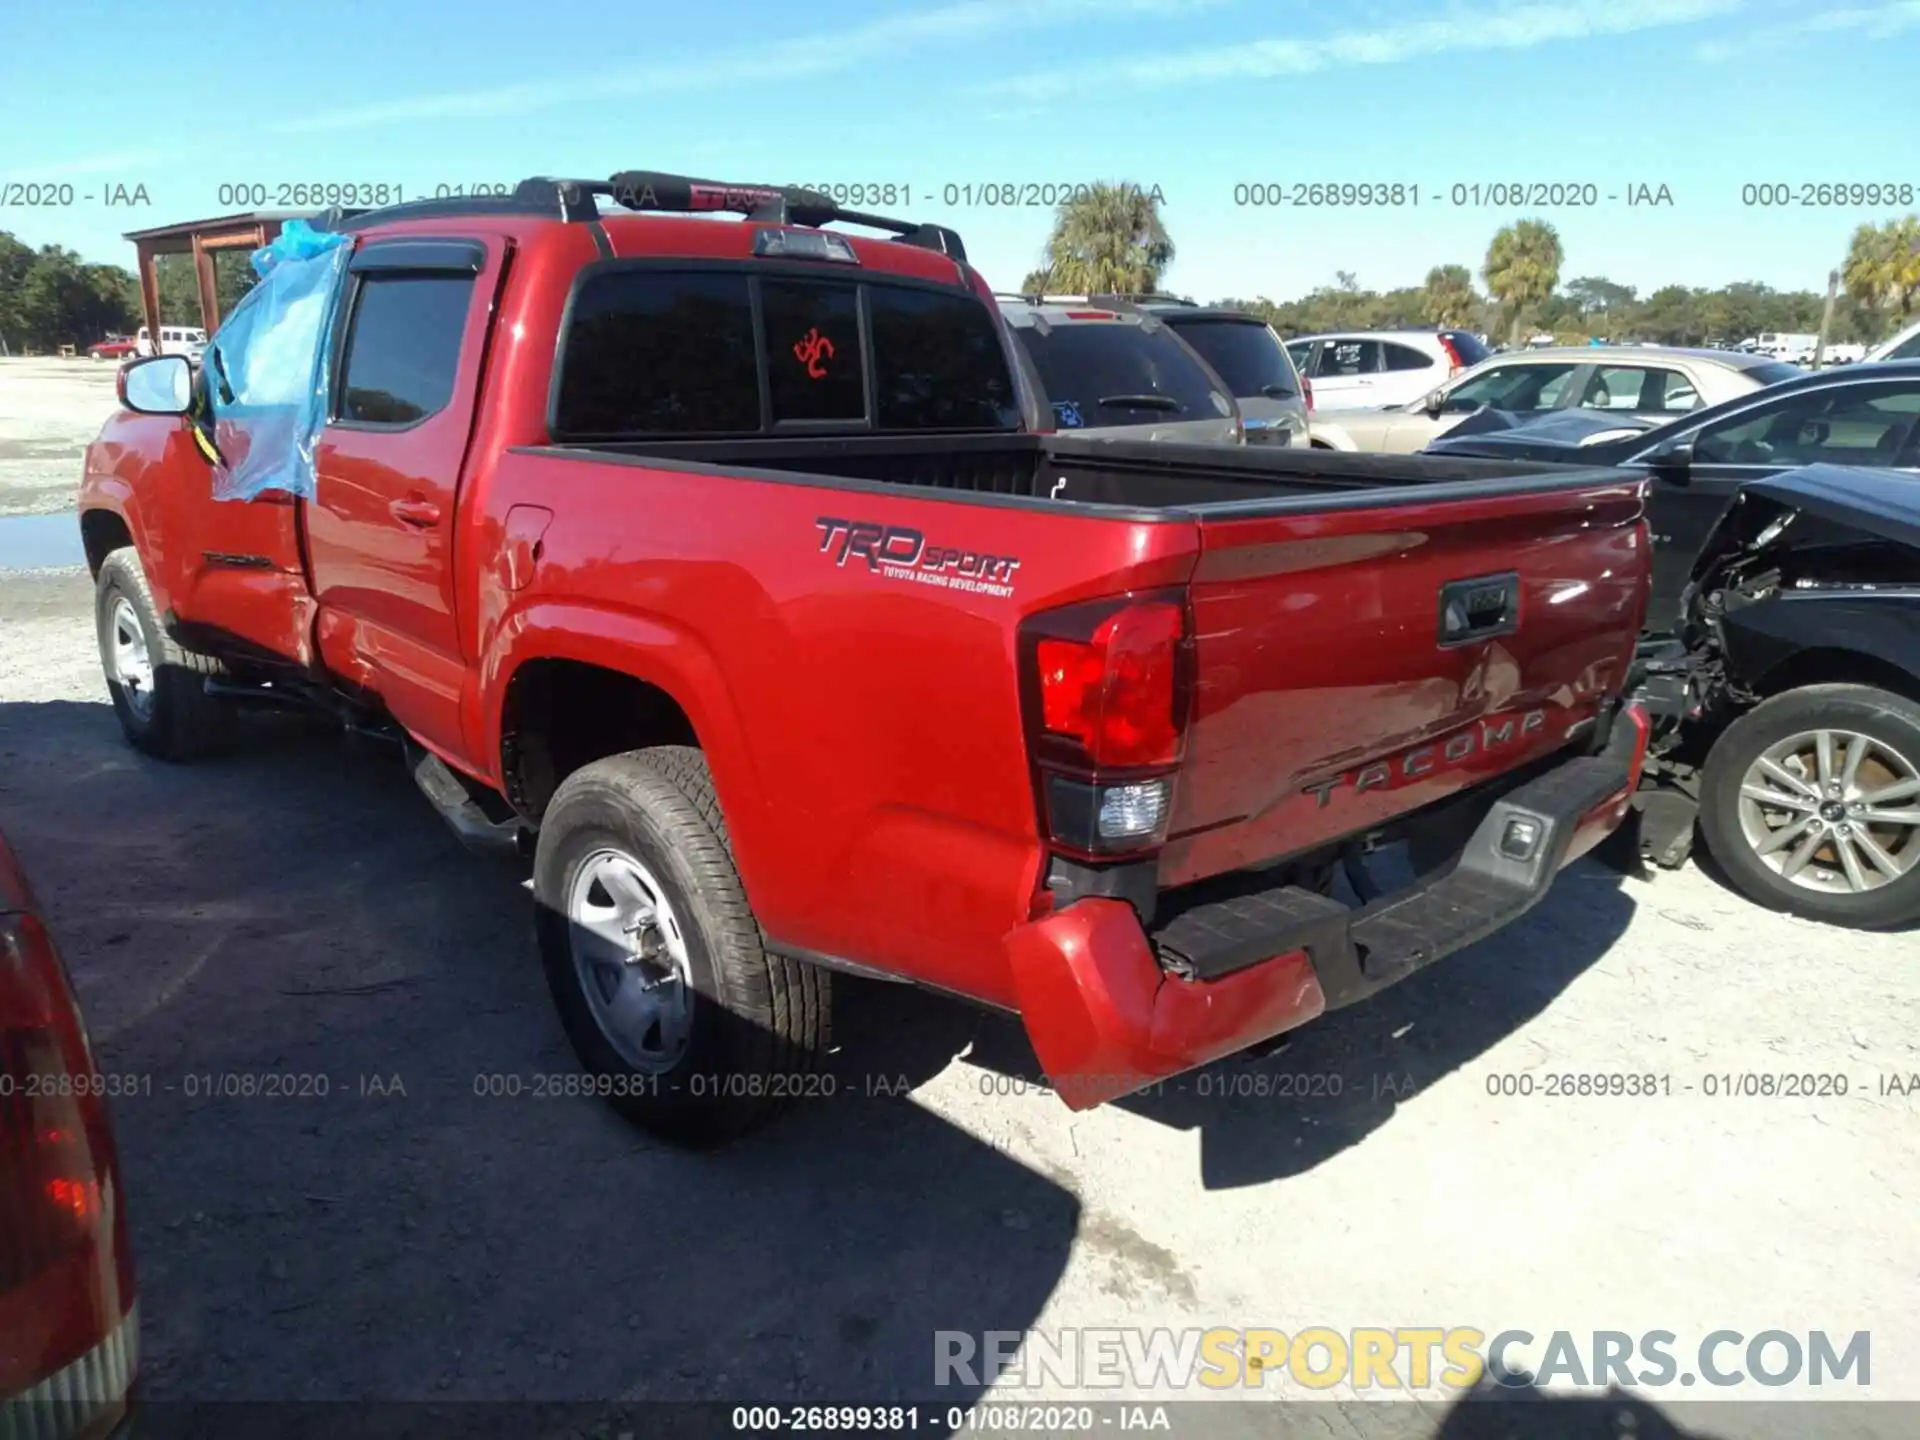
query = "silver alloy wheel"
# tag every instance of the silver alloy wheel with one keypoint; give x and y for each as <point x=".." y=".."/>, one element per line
<point x="1833" y="811"/>
<point x="132" y="665"/>
<point x="631" y="957"/>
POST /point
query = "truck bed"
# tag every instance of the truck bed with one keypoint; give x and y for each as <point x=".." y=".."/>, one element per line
<point x="1128" y="474"/>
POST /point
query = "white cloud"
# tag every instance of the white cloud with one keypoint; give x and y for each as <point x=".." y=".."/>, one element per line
<point x="1520" y="27"/>
<point x="1875" y="22"/>
<point x="800" y="57"/>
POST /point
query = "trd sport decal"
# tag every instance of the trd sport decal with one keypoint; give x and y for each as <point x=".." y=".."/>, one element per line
<point x="903" y="554"/>
<point x="809" y="351"/>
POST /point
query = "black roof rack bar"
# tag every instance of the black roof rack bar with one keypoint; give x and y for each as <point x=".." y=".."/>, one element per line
<point x="770" y="204"/>
<point x="650" y="190"/>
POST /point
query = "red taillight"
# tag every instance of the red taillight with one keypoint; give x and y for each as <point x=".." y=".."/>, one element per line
<point x="1306" y="389"/>
<point x="1114" y="693"/>
<point x="1453" y="357"/>
<point x="67" y="1322"/>
<point x="1108" y="692"/>
<point x="1091" y="315"/>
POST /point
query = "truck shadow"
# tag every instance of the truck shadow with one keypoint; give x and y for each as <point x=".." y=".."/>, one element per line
<point x="1512" y="1409"/>
<point x="1330" y="1084"/>
<point x="353" y="1164"/>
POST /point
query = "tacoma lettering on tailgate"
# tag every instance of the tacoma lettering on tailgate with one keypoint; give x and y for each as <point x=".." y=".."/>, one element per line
<point x="1425" y="759"/>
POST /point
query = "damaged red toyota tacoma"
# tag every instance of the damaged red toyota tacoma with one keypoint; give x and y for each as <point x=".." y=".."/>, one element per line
<point x="728" y="571"/>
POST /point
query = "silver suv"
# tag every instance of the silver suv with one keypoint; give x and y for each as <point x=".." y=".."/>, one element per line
<point x="1244" y="351"/>
<point x="1115" y="370"/>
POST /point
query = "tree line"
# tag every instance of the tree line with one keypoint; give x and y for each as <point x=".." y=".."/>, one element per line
<point x="51" y="297"/>
<point x="1111" y="238"/>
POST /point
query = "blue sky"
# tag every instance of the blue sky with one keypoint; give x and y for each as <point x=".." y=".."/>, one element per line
<point x="1192" y="96"/>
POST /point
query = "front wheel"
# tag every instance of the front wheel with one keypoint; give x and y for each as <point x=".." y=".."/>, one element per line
<point x="1811" y="804"/>
<point x="158" y="689"/>
<point x="687" y="1025"/>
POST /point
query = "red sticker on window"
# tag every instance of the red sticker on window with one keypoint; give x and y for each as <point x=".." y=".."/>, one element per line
<point x="810" y="352"/>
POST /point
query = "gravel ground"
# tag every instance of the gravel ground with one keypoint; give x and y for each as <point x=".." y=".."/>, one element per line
<point x="50" y="410"/>
<point x="297" y="909"/>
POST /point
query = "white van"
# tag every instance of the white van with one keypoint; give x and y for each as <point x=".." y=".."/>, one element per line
<point x="174" y="340"/>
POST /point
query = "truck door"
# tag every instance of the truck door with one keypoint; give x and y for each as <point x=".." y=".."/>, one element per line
<point x="380" y="529"/>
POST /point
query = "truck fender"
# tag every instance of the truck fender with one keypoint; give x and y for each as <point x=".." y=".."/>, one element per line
<point x="648" y="648"/>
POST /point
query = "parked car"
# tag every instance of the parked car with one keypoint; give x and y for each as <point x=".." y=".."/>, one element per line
<point x="114" y="347"/>
<point x="1115" y="369"/>
<point x="1244" y="351"/>
<point x="174" y="340"/>
<point x="1904" y="346"/>
<point x="1861" y="415"/>
<point x="1787" y="709"/>
<point x="1365" y="368"/>
<point x="69" y="1317"/>
<point x="1618" y="381"/>
<point x="726" y="577"/>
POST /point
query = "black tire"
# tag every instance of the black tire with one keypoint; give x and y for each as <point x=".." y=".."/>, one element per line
<point x="1889" y="719"/>
<point x="760" y="1023"/>
<point x="178" y="720"/>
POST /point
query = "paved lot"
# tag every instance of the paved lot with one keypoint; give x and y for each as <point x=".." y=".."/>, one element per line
<point x="296" y="910"/>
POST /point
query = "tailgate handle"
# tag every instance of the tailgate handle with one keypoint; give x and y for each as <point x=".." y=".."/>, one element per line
<point x="1480" y="608"/>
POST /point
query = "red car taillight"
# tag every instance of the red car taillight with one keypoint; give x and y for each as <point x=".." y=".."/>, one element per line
<point x="1306" y="389"/>
<point x="1455" y="363"/>
<point x="69" y="1327"/>
<point x="1108" y="687"/>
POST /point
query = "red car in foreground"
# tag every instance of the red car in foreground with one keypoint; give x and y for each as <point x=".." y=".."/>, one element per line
<point x="69" y="1324"/>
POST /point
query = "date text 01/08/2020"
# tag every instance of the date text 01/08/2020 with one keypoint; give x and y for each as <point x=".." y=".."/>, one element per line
<point x="1459" y="195"/>
<point x="1717" y="1085"/>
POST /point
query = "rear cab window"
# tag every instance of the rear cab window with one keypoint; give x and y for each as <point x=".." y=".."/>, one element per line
<point x="1105" y="372"/>
<point x="1245" y="353"/>
<point x="691" y="351"/>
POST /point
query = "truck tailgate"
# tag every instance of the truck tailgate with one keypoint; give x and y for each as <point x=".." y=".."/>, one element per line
<point x="1356" y="663"/>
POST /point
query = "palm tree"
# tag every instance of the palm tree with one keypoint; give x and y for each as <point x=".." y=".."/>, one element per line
<point x="1107" y="239"/>
<point x="1448" y="297"/>
<point x="1904" y="240"/>
<point x="1523" y="266"/>
<point x="1868" y="272"/>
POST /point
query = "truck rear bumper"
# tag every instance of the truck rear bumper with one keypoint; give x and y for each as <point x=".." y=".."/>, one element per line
<point x="1111" y="1007"/>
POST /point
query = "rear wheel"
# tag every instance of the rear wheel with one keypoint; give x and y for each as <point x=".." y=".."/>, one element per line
<point x="158" y="688"/>
<point x="664" y="985"/>
<point x="1811" y="803"/>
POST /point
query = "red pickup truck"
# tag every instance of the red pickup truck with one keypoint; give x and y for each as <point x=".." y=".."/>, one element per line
<point x="723" y="567"/>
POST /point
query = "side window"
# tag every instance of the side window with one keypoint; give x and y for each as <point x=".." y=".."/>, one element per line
<point x="1405" y="357"/>
<point x="1629" y="387"/>
<point x="1832" y="427"/>
<point x="1512" y="387"/>
<point x="1908" y="349"/>
<point x="1302" y="353"/>
<point x="403" y="347"/>
<point x="1350" y="357"/>
<point x="813" y="350"/>
<point x="653" y="352"/>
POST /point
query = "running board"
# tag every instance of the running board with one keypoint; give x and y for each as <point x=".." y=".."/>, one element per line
<point x="477" y="830"/>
